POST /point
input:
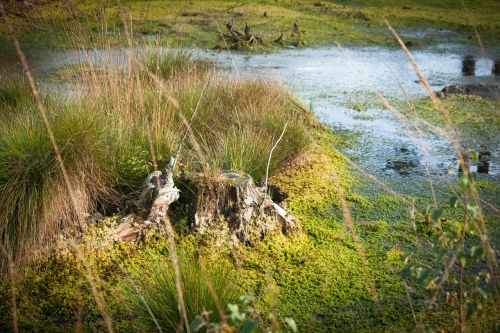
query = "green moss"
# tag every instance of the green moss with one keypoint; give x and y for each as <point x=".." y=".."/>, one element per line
<point x="475" y="118"/>
<point x="319" y="275"/>
<point x="54" y="294"/>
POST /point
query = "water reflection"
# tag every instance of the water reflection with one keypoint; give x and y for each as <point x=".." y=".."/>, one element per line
<point x="316" y="72"/>
<point x="469" y="66"/>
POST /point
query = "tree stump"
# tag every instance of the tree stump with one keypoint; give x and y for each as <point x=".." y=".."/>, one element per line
<point x="233" y="196"/>
<point x="151" y="206"/>
<point x="248" y="210"/>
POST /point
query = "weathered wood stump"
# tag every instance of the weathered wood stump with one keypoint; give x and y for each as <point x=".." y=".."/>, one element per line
<point x="151" y="207"/>
<point x="249" y="212"/>
<point x="240" y="40"/>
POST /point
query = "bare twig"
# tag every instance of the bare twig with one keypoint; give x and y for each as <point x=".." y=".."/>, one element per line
<point x="189" y="130"/>
<point x="271" y="155"/>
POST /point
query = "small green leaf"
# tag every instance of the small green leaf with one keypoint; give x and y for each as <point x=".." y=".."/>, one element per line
<point x="291" y="324"/>
<point x="406" y="272"/>
<point x="482" y="292"/>
<point x="474" y="210"/>
<point x="464" y="181"/>
<point x="422" y="273"/>
<point x="470" y="308"/>
<point x="472" y="177"/>
<point x="249" y="326"/>
<point x="453" y="201"/>
<point x="463" y="260"/>
<point x="476" y="252"/>
<point x="474" y="155"/>
<point x="235" y="314"/>
<point x="246" y="299"/>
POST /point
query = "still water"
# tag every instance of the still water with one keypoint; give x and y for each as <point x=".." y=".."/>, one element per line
<point x="333" y="81"/>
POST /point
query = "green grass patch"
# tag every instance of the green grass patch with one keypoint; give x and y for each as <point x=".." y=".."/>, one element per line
<point x="208" y="286"/>
<point x="475" y="118"/>
<point x="197" y="23"/>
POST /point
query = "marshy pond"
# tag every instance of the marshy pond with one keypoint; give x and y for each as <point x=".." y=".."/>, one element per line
<point x="341" y="84"/>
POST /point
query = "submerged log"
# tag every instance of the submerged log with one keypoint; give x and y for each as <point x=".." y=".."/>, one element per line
<point x="482" y="90"/>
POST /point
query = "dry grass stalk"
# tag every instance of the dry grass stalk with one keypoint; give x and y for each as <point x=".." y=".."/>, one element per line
<point x="178" y="282"/>
<point x="480" y="222"/>
<point x="141" y="297"/>
<point x="404" y="120"/>
<point x="346" y="213"/>
<point x="12" y="282"/>
<point x="93" y="286"/>
<point x="168" y="227"/>
<point x="480" y="42"/>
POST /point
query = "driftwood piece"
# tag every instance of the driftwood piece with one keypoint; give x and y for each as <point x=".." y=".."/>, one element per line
<point x="167" y="193"/>
<point x="237" y="40"/>
<point x="240" y="40"/>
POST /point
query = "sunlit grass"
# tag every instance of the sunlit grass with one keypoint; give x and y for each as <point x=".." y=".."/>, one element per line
<point x="208" y="286"/>
<point x="123" y="126"/>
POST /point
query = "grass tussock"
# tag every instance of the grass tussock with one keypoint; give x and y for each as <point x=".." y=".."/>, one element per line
<point x="34" y="201"/>
<point x="13" y="90"/>
<point x="123" y="125"/>
<point x="207" y="286"/>
<point x="170" y="62"/>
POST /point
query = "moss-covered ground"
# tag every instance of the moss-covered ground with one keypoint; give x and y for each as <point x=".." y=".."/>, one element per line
<point x="200" y="23"/>
<point x="476" y="122"/>
<point x="324" y="276"/>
